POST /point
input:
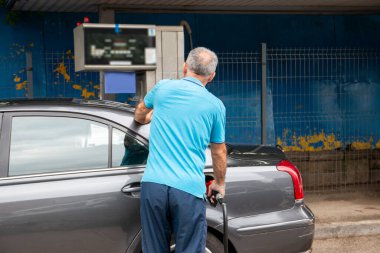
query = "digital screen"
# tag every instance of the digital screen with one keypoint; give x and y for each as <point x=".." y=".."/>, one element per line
<point x="120" y="46"/>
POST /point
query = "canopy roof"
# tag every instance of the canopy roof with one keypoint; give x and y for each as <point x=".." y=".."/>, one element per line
<point x="217" y="6"/>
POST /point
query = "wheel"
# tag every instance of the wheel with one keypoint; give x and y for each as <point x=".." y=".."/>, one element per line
<point x="213" y="245"/>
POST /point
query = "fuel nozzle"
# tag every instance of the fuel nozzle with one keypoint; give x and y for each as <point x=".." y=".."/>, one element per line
<point x="215" y="197"/>
<point x="213" y="200"/>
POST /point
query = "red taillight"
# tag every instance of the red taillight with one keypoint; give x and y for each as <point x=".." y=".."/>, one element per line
<point x="288" y="167"/>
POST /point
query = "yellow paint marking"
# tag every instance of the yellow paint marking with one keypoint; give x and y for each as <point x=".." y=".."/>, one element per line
<point x="22" y="85"/>
<point x="305" y="143"/>
<point x="61" y="69"/>
<point x="16" y="79"/>
<point x="86" y="94"/>
<point x="77" y="87"/>
<point x="360" y="145"/>
<point x="69" y="54"/>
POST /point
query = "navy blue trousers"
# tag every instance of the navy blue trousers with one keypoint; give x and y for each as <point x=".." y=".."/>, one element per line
<point x="167" y="211"/>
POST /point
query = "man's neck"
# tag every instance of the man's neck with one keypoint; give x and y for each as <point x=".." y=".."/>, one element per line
<point x="202" y="79"/>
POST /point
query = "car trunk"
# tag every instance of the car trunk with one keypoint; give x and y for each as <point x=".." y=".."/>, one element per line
<point x="254" y="185"/>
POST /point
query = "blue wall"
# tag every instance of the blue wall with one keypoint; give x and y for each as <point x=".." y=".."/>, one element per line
<point x="246" y="32"/>
<point x="49" y="36"/>
<point x="53" y="31"/>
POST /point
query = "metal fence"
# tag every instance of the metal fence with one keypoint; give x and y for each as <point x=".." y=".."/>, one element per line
<point x="237" y="84"/>
<point x="13" y="76"/>
<point x="326" y="114"/>
<point x="63" y="81"/>
<point x="53" y="75"/>
<point x="320" y="105"/>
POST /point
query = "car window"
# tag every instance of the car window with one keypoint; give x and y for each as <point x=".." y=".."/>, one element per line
<point x="55" y="144"/>
<point x="126" y="150"/>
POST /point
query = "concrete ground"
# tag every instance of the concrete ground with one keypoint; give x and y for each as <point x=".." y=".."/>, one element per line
<point x="360" y="244"/>
<point x="346" y="222"/>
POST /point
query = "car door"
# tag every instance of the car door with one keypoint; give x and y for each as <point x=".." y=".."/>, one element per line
<point x="69" y="183"/>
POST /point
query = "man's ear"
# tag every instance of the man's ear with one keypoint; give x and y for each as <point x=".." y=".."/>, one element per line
<point x="211" y="77"/>
<point x="184" y="69"/>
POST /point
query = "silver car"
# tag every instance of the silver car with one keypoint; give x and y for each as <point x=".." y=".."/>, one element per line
<point x="70" y="174"/>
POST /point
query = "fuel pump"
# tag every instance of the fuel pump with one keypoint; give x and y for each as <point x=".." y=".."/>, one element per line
<point x="130" y="58"/>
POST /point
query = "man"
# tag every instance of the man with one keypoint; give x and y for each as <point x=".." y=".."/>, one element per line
<point x="185" y="120"/>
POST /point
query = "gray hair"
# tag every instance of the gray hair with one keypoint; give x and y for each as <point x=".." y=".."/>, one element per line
<point x="202" y="61"/>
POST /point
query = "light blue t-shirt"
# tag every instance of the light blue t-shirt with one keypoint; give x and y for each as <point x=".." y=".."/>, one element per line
<point x="186" y="118"/>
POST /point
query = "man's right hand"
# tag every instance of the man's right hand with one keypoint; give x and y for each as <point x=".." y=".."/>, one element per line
<point x="215" y="187"/>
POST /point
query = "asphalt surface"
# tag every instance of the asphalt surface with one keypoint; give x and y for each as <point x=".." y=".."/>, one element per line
<point x="346" y="222"/>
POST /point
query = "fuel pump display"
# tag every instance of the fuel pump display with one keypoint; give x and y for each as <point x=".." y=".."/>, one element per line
<point x="120" y="46"/>
<point x="115" y="47"/>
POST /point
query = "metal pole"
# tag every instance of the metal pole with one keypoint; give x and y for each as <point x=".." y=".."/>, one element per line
<point x="101" y="85"/>
<point x="264" y="94"/>
<point x="106" y="16"/>
<point x="29" y="73"/>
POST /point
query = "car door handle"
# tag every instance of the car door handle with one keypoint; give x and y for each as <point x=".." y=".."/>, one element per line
<point x="131" y="189"/>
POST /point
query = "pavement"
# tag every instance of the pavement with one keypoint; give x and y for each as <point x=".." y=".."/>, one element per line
<point x="345" y="214"/>
<point x="359" y="244"/>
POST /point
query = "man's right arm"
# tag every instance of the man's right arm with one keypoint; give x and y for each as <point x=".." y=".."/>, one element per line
<point x="143" y="115"/>
<point x="144" y="110"/>
<point x="219" y="163"/>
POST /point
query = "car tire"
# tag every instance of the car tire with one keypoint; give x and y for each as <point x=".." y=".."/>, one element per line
<point x="213" y="244"/>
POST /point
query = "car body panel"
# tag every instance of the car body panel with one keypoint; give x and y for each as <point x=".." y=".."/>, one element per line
<point x="75" y="212"/>
<point x="4" y="150"/>
<point x="285" y="231"/>
<point x="263" y="190"/>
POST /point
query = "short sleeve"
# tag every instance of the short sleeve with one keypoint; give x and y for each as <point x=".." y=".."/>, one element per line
<point x="218" y="129"/>
<point x="150" y="97"/>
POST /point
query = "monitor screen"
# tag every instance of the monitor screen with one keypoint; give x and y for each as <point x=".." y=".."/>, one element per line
<point x="120" y="46"/>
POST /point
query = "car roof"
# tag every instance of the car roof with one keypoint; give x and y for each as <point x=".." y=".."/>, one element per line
<point x="120" y="113"/>
<point x="24" y="103"/>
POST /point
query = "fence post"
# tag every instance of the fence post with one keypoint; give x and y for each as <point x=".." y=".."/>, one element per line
<point x="29" y="73"/>
<point x="264" y="94"/>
